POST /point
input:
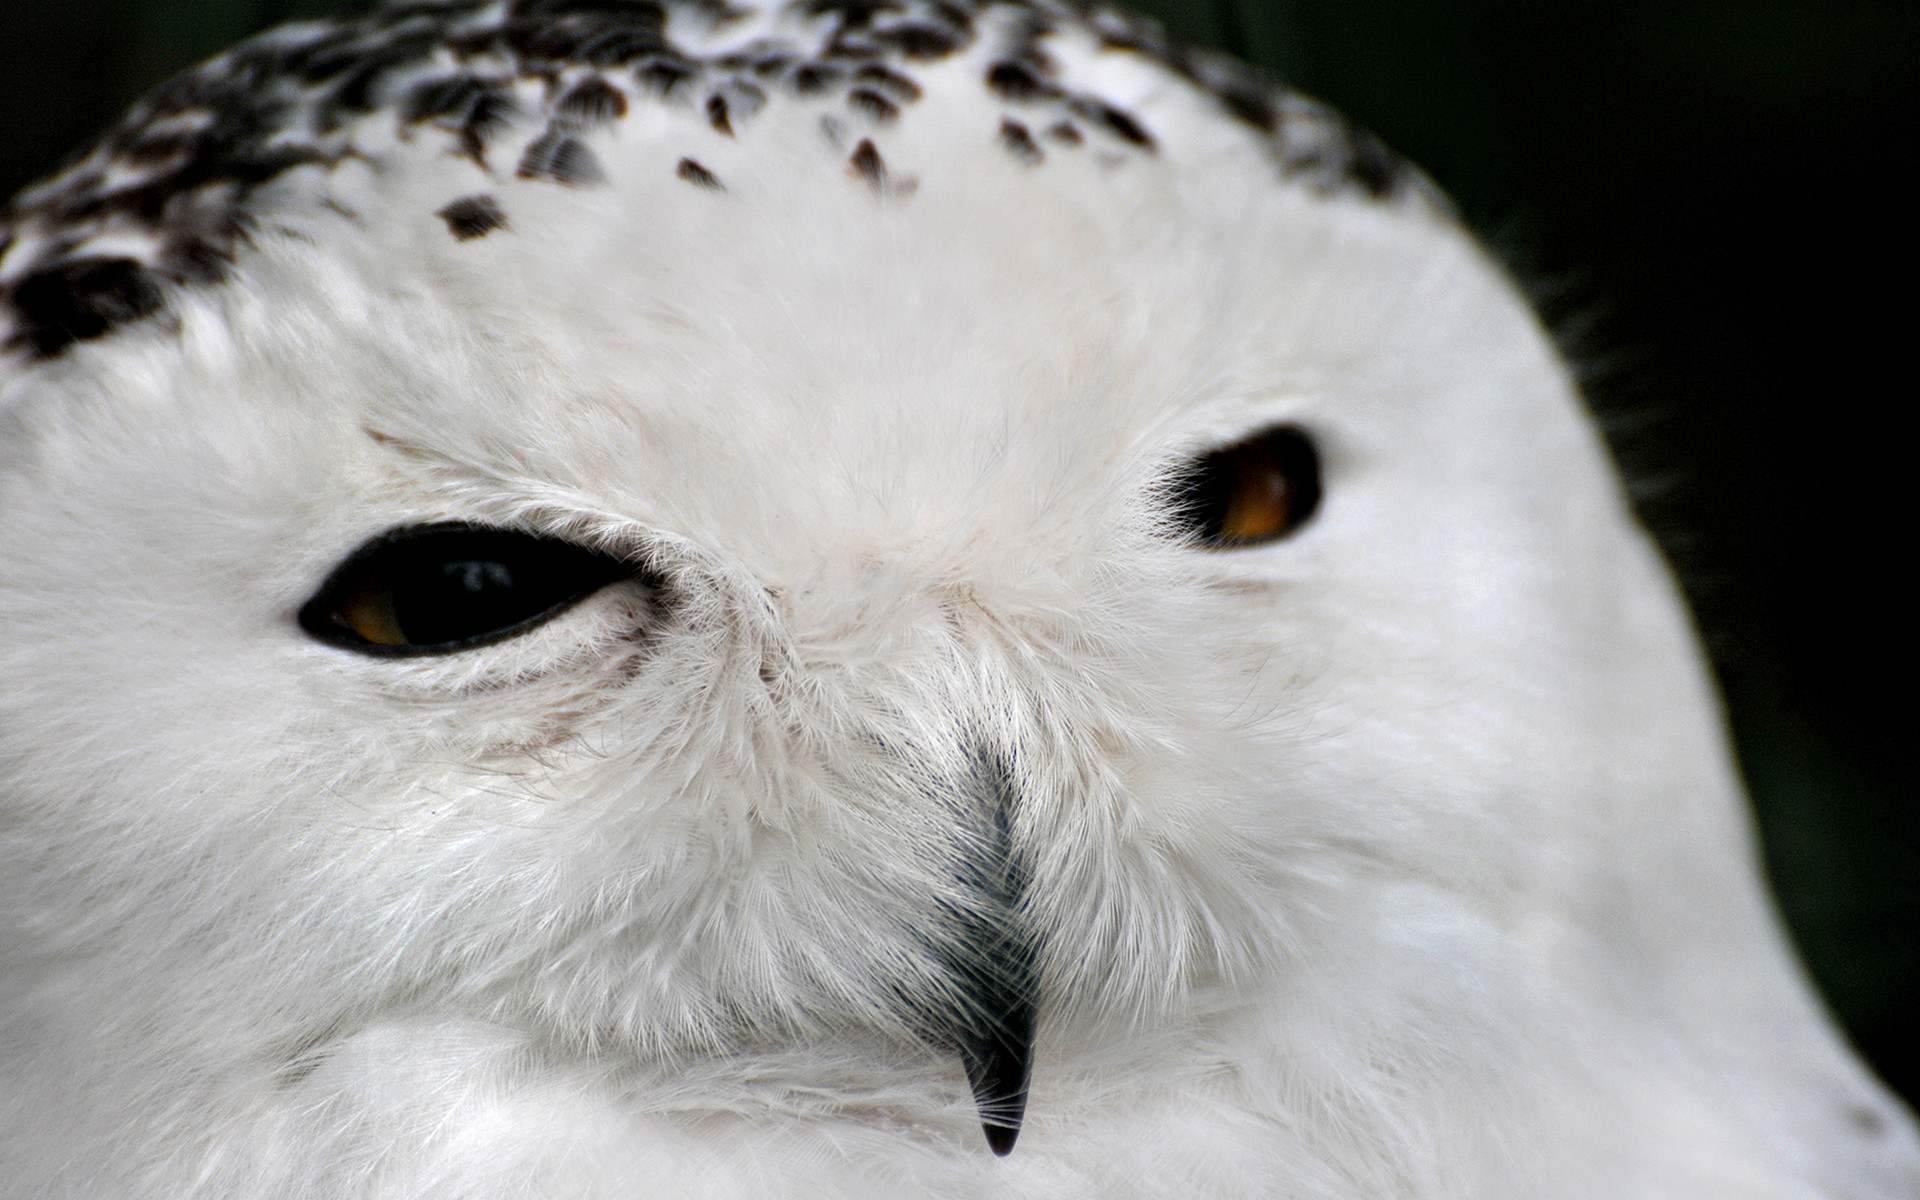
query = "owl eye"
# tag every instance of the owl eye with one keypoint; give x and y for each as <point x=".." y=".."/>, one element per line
<point x="434" y="589"/>
<point x="1254" y="491"/>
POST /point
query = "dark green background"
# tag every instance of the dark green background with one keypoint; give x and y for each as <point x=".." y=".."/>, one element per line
<point x="1712" y="201"/>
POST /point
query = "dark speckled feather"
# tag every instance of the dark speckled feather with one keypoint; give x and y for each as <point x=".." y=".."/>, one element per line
<point x="165" y="200"/>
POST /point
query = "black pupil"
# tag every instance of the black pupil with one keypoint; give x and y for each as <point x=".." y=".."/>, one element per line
<point x="467" y="598"/>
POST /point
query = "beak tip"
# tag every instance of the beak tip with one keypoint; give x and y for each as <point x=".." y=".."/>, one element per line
<point x="1000" y="1138"/>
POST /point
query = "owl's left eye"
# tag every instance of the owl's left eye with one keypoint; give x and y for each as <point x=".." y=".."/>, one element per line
<point x="1255" y="491"/>
<point x="436" y="589"/>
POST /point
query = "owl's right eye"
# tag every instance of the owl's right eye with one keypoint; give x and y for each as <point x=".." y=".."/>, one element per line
<point x="436" y="589"/>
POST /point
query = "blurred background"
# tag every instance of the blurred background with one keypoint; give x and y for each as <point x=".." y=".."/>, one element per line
<point x="1704" y="197"/>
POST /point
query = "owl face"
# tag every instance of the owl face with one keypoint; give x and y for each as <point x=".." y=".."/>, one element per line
<point x="979" y="578"/>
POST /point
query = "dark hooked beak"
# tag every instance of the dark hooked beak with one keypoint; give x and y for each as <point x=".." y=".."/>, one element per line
<point x="999" y="1057"/>
<point x="992" y="961"/>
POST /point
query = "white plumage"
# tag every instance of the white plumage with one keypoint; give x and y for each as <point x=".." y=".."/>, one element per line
<point x="845" y="385"/>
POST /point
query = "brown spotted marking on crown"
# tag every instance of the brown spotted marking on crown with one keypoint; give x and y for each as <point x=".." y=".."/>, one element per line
<point x="470" y="217"/>
<point x="167" y="198"/>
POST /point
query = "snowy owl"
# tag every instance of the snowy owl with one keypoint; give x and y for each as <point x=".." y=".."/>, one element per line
<point x="840" y="599"/>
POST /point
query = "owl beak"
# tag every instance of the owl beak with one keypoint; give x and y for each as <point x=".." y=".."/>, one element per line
<point x="999" y="1063"/>
<point x="993" y="962"/>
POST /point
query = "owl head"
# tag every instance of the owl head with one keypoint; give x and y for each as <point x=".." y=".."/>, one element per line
<point x="705" y="599"/>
